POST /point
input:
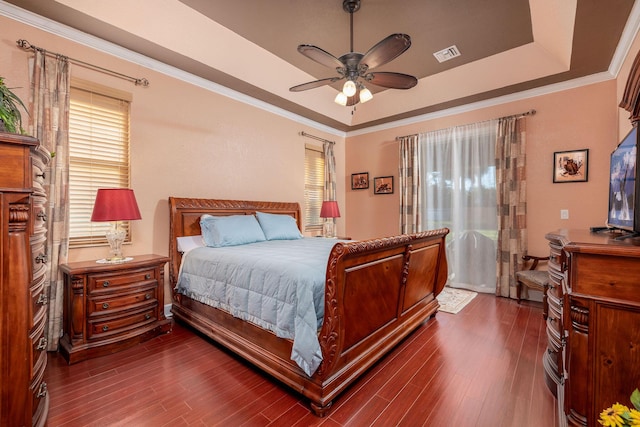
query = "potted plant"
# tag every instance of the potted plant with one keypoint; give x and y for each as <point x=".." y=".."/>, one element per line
<point x="10" y="118"/>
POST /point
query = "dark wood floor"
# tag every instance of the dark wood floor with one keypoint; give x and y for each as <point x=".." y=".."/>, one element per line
<point x="480" y="367"/>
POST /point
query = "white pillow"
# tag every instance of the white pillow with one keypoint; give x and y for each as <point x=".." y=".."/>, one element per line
<point x="187" y="243"/>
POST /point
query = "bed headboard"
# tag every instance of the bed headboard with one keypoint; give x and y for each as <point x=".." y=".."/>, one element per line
<point x="184" y="219"/>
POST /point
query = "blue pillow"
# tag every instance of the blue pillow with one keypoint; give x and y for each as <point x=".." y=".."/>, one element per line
<point x="278" y="227"/>
<point x="219" y="231"/>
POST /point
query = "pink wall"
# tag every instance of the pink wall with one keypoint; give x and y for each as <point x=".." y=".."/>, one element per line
<point x="251" y="153"/>
<point x="585" y="117"/>
<point x="186" y="141"/>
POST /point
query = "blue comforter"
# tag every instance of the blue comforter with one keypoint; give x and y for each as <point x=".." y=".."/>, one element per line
<point x="277" y="285"/>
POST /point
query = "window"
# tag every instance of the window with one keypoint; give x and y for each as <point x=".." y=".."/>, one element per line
<point x="313" y="187"/>
<point x="98" y="156"/>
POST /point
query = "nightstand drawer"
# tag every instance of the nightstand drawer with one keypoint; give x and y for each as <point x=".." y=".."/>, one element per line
<point x="113" y="303"/>
<point x="101" y="283"/>
<point x="105" y="326"/>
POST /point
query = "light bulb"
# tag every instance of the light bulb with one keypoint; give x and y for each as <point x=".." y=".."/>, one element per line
<point x="341" y="99"/>
<point x="349" y="88"/>
<point x="365" y="95"/>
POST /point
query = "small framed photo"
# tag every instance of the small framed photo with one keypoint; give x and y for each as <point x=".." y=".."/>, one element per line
<point x="570" y="166"/>
<point x="383" y="185"/>
<point x="360" y="181"/>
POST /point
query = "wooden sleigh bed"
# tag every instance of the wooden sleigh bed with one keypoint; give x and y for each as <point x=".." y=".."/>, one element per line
<point x="376" y="293"/>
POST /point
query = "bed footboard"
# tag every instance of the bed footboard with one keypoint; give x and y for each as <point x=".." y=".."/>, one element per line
<point x="377" y="292"/>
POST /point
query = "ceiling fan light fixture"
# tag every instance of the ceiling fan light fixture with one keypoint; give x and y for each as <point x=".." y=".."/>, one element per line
<point x="365" y="94"/>
<point x="341" y="99"/>
<point x="349" y="88"/>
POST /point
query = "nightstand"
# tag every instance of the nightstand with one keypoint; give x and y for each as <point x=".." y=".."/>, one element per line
<point x="110" y="307"/>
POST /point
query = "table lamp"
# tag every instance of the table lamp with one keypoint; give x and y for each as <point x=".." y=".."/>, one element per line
<point x="115" y="205"/>
<point x="329" y="211"/>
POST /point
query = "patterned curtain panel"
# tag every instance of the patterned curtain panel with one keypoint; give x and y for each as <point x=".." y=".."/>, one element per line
<point x="409" y="184"/>
<point x="329" y="174"/>
<point x="512" y="207"/>
<point x="49" y="122"/>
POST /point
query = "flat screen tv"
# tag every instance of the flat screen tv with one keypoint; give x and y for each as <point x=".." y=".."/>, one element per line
<point x="624" y="199"/>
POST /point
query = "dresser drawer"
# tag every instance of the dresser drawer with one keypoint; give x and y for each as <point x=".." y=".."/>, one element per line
<point x="38" y="297"/>
<point x="38" y="387"/>
<point x="113" y="303"/>
<point x="38" y="347"/>
<point x="101" y="283"/>
<point x="111" y="325"/>
<point x="606" y="276"/>
<point x="39" y="214"/>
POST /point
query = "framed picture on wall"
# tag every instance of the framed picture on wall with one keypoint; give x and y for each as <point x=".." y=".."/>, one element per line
<point x="570" y="166"/>
<point x="360" y="181"/>
<point x="383" y="185"/>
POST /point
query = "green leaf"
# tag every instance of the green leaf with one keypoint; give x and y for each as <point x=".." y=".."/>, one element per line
<point x="635" y="399"/>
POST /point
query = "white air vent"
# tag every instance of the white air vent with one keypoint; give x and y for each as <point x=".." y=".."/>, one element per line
<point x="447" y="54"/>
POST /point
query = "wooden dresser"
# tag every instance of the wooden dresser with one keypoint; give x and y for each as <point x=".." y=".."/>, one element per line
<point x="599" y="355"/>
<point x="23" y="302"/>
<point x="110" y="307"/>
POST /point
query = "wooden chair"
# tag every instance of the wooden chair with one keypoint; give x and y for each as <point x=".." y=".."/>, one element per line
<point x="533" y="279"/>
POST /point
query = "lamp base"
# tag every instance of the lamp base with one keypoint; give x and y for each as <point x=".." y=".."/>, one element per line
<point x="115" y="236"/>
<point x="328" y="229"/>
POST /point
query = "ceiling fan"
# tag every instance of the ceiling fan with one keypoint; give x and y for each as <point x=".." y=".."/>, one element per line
<point x="356" y="67"/>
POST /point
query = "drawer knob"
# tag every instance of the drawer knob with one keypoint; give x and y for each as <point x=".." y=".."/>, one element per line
<point x="42" y="391"/>
<point x="42" y="299"/>
<point x="42" y="258"/>
<point x="147" y="316"/>
<point x="42" y="215"/>
<point x="105" y="328"/>
<point x="147" y="296"/>
<point x="147" y="276"/>
<point x="41" y="175"/>
<point x="105" y="305"/>
<point x="105" y="284"/>
<point x="42" y="344"/>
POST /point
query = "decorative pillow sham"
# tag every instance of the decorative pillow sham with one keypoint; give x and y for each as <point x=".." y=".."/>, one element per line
<point x="233" y="230"/>
<point x="278" y="226"/>
<point x="186" y="243"/>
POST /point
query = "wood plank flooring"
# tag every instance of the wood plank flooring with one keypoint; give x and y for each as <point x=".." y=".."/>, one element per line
<point x="480" y="367"/>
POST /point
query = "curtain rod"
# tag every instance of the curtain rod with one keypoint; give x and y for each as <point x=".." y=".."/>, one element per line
<point x="24" y="44"/>
<point x="303" y="133"/>
<point x="517" y="116"/>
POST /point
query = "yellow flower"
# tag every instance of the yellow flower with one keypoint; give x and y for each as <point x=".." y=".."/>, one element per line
<point x="634" y="417"/>
<point x="612" y="417"/>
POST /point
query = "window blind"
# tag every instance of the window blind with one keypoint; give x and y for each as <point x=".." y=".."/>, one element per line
<point x="98" y="158"/>
<point x="313" y="187"/>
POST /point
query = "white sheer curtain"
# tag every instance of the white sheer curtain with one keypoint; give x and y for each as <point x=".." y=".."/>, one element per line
<point x="459" y="192"/>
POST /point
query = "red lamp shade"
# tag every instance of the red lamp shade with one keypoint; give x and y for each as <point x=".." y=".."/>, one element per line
<point x="330" y="209"/>
<point x="115" y="204"/>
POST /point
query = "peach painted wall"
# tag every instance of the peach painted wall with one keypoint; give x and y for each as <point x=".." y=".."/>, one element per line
<point x="186" y="141"/>
<point x="585" y="117"/>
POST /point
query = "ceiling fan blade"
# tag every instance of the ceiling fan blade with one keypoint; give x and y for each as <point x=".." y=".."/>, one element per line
<point x="393" y="80"/>
<point x="386" y="50"/>
<point x="314" y="84"/>
<point x="320" y="56"/>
